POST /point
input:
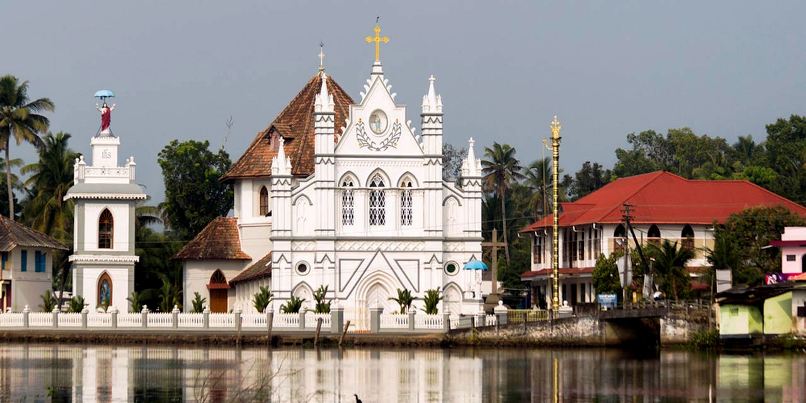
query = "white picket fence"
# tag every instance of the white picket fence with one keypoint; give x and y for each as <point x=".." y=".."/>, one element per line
<point x="310" y="320"/>
<point x="99" y="320"/>
<point x="394" y="321"/>
<point x="72" y="319"/>
<point x="286" y="320"/>
<point x="192" y="320"/>
<point x="11" y="320"/>
<point x="40" y="319"/>
<point x="490" y="320"/>
<point x="428" y="321"/>
<point x="134" y="319"/>
<point x="163" y="319"/>
<point x="253" y="320"/>
<point x="222" y="320"/>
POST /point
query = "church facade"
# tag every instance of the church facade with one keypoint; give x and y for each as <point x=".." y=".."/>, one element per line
<point x="344" y="194"/>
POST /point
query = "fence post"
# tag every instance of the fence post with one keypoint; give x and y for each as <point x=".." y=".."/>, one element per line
<point x="500" y="313"/>
<point x="269" y="316"/>
<point x="114" y="312"/>
<point x="144" y="316"/>
<point x="56" y="316"/>
<point x="336" y="319"/>
<point x="302" y="318"/>
<point x="236" y="317"/>
<point x="84" y="313"/>
<point x="175" y="317"/>
<point x="446" y="321"/>
<point x="25" y="313"/>
<point x="481" y="319"/>
<point x="375" y="319"/>
<point x="206" y="314"/>
<point x="412" y="312"/>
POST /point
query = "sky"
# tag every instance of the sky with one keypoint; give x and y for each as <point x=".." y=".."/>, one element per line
<point x="181" y="69"/>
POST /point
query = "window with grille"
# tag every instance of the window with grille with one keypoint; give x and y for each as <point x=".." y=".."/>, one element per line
<point x="406" y="202"/>
<point x="377" y="201"/>
<point x="347" y="203"/>
<point x="264" y="201"/>
<point x="105" y="226"/>
<point x="581" y="245"/>
<point x="537" y="253"/>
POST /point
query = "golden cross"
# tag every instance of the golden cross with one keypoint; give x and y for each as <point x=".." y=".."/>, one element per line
<point x="377" y="39"/>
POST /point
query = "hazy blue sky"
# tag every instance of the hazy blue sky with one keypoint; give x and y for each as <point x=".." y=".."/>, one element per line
<point x="607" y="68"/>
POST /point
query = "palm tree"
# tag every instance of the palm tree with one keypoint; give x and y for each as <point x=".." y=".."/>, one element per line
<point x="21" y="119"/>
<point x="501" y="169"/>
<point x="670" y="265"/>
<point x="539" y="180"/>
<point x="404" y="299"/>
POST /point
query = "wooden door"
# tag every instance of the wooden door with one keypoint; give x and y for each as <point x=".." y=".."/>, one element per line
<point x="218" y="300"/>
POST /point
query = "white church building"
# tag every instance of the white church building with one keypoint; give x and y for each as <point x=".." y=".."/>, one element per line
<point x="347" y="195"/>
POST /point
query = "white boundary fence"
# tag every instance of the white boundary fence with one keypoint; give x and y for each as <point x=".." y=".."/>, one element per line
<point x="332" y="322"/>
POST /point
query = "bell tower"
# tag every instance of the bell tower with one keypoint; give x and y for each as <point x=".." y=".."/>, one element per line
<point x="105" y="196"/>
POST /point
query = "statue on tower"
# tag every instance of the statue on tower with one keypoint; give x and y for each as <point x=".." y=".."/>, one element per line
<point x="105" y="109"/>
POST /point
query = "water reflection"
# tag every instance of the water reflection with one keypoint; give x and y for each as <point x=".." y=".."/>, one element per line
<point x="32" y="372"/>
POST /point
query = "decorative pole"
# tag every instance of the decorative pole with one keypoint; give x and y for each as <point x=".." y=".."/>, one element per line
<point x="555" y="227"/>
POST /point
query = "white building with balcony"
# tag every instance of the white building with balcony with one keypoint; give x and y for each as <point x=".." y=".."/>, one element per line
<point x="663" y="206"/>
<point x="346" y="195"/>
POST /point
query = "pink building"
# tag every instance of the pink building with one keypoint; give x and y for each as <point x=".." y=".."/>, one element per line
<point x="793" y="251"/>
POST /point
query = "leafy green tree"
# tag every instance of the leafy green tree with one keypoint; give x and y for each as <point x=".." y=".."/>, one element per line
<point x="293" y="305"/>
<point x="751" y="231"/>
<point x="260" y="300"/>
<point x="194" y="194"/>
<point x="588" y="179"/>
<point x="724" y="256"/>
<point x="156" y="252"/>
<point x="605" y="276"/>
<point x="431" y="300"/>
<point x="19" y="118"/>
<point x="76" y="304"/>
<point x="198" y="302"/>
<point x="670" y="267"/>
<point x="135" y="301"/>
<point x="538" y="179"/>
<point x="404" y="299"/>
<point x="501" y="169"/>
<point x="48" y="301"/>
<point x="786" y="154"/>
<point x="170" y="294"/>
<point x="452" y="158"/>
<point x="321" y="305"/>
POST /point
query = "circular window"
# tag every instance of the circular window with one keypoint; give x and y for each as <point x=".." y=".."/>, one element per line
<point x="377" y="121"/>
<point x="451" y="268"/>
<point x="302" y="268"/>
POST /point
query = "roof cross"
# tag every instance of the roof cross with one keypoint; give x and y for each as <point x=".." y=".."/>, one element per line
<point x="377" y="39"/>
<point x="321" y="56"/>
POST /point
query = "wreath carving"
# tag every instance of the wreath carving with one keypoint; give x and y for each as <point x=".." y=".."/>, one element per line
<point x="365" y="141"/>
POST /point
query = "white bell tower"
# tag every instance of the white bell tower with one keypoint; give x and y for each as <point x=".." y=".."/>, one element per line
<point x="105" y="196"/>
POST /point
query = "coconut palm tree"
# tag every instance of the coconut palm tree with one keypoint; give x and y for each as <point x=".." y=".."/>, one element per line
<point x="670" y="266"/>
<point x="19" y="118"/>
<point x="539" y="180"/>
<point x="501" y="169"/>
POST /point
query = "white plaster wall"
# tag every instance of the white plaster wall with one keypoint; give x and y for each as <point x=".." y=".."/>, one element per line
<point x="255" y="239"/>
<point x="245" y="291"/>
<point x="196" y="275"/>
<point x="120" y="213"/>
<point x="29" y="292"/>
<point x="120" y="286"/>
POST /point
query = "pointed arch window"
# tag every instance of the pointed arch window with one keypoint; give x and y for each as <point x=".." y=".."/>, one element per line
<point x="687" y="237"/>
<point x="347" y="202"/>
<point x="106" y="225"/>
<point x="406" y="203"/>
<point x="264" y="202"/>
<point x="377" y="201"/>
<point x="104" y="290"/>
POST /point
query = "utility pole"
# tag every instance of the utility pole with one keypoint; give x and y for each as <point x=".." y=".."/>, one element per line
<point x="628" y="221"/>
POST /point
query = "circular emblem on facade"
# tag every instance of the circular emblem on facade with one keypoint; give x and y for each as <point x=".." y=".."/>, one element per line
<point x="378" y="122"/>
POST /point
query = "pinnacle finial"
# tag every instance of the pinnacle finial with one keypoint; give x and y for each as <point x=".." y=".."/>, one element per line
<point x="431" y="101"/>
<point x="555" y="128"/>
<point x="321" y="56"/>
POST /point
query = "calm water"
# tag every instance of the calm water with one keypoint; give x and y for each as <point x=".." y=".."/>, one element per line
<point x="40" y="372"/>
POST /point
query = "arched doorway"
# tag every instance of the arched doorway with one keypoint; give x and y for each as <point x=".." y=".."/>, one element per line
<point x="104" y="290"/>
<point x="218" y="288"/>
<point x="375" y="290"/>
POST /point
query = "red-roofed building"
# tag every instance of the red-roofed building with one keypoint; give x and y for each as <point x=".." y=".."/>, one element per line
<point x="663" y="206"/>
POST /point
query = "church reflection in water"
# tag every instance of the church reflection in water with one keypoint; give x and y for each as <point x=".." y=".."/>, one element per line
<point x="38" y="372"/>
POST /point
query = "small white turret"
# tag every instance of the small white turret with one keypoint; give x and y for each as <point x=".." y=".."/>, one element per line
<point x="432" y="103"/>
<point x="471" y="167"/>
<point x="280" y="164"/>
<point x="324" y="101"/>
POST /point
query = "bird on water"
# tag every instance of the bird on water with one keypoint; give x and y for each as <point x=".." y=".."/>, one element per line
<point x="357" y="400"/>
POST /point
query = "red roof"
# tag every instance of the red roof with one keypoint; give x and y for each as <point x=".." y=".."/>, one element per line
<point x="219" y="240"/>
<point x="779" y="244"/>
<point x="664" y="198"/>
<point x="295" y="124"/>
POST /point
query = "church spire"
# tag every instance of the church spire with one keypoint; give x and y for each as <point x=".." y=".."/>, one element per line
<point x="280" y="164"/>
<point x="323" y="101"/>
<point x="432" y="103"/>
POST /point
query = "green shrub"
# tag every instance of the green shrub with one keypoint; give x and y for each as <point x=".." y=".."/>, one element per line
<point x="293" y="305"/>
<point x="198" y="303"/>
<point x="261" y="299"/>
<point x="431" y="300"/>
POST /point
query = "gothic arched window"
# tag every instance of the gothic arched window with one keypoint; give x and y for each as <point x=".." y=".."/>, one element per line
<point x="347" y="202"/>
<point x="406" y="202"/>
<point x="687" y="237"/>
<point x="106" y="225"/>
<point x="264" y="202"/>
<point x="377" y="201"/>
<point x="104" y="290"/>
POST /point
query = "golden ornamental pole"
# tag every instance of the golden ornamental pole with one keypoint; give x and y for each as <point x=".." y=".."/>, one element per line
<point x="555" y="227"/>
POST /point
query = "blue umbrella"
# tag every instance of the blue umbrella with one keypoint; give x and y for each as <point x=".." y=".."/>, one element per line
<point x="104" y="94"/>
<point x="475" y="265"/>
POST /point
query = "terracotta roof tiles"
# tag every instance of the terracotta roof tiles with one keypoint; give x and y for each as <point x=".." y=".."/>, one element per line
<point x="219" y="240"/>
<point x="259" y="269"/>
<point x="13" y="234"/>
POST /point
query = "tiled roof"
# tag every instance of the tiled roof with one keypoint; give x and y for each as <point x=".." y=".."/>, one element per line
<point x="259" y="269"/>
<point x="219" y="240"/>
<point x="295" y="124"/>
<point x="13" y="234"/>
<point x="664" y="198"/>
